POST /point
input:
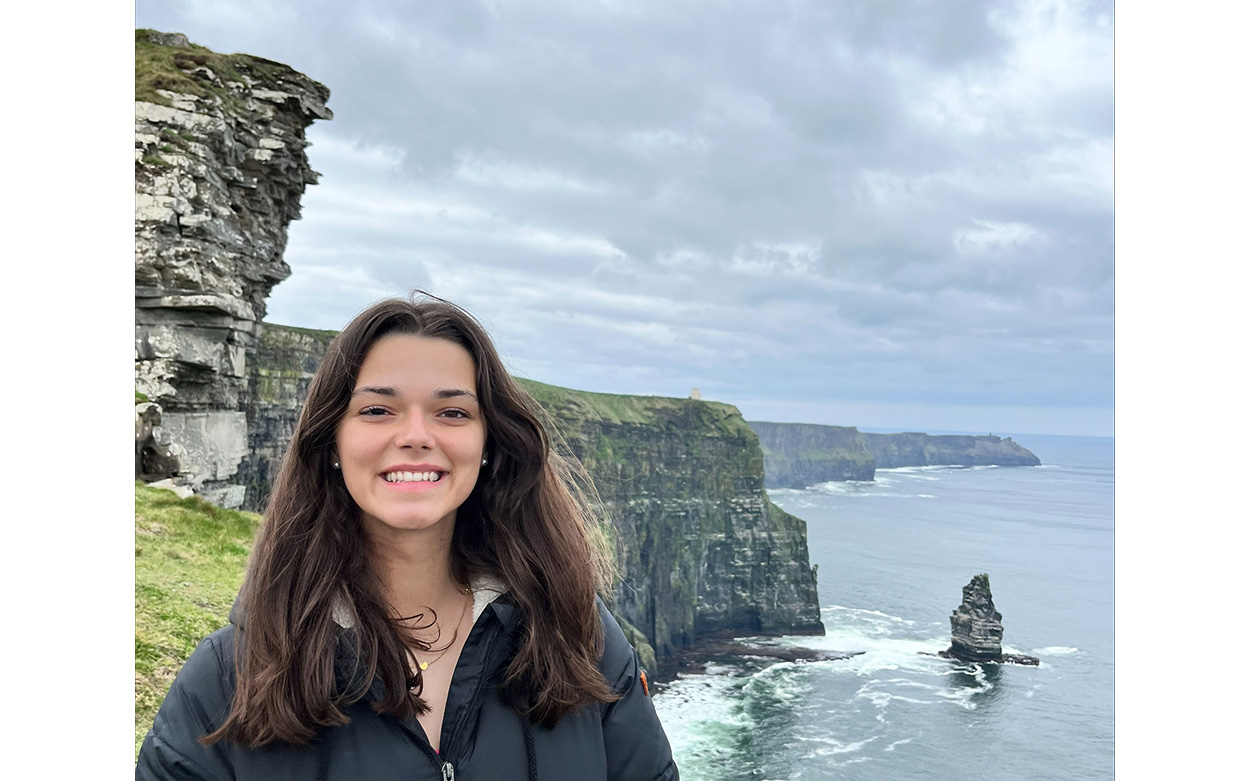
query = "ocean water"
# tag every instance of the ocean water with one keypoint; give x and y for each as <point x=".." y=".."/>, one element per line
<point x="894" y="556"/>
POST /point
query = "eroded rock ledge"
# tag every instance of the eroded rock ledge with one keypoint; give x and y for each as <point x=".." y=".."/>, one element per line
<point x="219" y="170"/>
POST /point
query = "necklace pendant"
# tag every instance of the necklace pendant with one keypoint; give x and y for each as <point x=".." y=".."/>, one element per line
<point x="423" y="665"/>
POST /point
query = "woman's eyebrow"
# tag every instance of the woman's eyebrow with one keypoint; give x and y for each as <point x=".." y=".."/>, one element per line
<point x="442" y="393"/>
<point x="452" y="393"/>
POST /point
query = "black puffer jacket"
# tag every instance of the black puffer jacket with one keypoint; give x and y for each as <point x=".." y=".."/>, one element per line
<point x="481" y="738"/>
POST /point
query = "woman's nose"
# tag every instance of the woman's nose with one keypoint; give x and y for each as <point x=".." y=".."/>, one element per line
<point x="414" y="432"/>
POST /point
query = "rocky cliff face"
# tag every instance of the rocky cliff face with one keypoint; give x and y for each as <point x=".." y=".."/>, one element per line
<point x="279" y="371"/>
<point x="798" y="455"/>
<point x="894" y="450"/>
<point x="219" y="171"/>
<point x="700" y="548"/>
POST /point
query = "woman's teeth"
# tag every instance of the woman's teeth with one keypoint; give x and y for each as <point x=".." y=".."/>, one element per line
<point x="412" y="477"/>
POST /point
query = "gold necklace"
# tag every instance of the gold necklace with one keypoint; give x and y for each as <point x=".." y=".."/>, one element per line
<point x="455" y="633"/>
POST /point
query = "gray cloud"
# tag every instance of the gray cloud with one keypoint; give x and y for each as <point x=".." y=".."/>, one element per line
<point x="798" y="207"/>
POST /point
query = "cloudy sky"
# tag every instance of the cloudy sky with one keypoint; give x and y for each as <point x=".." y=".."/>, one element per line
<point x="890" y="214"/>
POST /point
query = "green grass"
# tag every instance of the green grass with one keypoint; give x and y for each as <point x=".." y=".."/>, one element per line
<point x="314" y="332"/>
<point x="618" y="408"/>
<point x="189" y="561"/>
<point x="168" y="68"/>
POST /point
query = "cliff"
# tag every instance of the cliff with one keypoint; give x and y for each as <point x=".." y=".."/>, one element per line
<point x="280" y="369"/>
<point x="894" y="450"/>
<point x="701" y="550"/>
<point x="799" y="455"/>
<point x="219" y="171"/>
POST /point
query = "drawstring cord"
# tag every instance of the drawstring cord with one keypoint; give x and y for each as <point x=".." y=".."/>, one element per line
<point x="530" y="756"/>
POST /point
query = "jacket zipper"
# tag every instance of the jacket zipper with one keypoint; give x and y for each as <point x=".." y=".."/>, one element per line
<point x="448" y="769"/>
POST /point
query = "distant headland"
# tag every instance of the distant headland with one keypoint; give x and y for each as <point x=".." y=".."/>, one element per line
<point x="797" y="455"/>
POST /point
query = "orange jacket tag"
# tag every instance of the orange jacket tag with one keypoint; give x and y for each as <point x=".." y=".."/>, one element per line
<point x="642" y="676"/>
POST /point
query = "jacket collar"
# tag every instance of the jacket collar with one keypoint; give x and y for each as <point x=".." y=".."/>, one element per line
<point x="349" y="674"/>
<point x="486" y="589"/>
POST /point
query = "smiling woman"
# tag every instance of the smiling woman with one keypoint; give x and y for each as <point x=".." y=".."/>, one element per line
<point x="422" y="597"/>
<point x="412" y="442"/>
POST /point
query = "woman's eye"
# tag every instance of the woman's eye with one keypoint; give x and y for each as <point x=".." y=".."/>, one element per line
<point x="455" y="413"/>
<point x="373" y="411"/>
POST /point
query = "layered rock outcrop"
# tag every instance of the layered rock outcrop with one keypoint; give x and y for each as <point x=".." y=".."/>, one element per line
<point x="977" y="628"/>
<point x="219" y="171"/>
<point x="797" y="455"/>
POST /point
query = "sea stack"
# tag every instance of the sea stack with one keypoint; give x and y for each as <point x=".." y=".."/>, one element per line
<point x="977" y="627"/>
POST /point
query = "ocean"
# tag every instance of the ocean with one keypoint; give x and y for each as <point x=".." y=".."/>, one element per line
<point x="893" y="557"/>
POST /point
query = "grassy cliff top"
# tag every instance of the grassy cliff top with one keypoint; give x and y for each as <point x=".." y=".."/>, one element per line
<point x="317" y="333"/>
<point x="570" y="405"/>
<point x="189" y="562"/>
<point x="173" y="68"/>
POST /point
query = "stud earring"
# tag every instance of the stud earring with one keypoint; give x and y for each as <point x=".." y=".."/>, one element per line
<point x="336" y="465"/>
<point x="483" y="462"/>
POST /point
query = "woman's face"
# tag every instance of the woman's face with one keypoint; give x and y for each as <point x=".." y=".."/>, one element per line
<point x="411" y="442"/>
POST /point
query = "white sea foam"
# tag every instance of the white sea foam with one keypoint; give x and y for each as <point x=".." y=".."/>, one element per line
<point x="842" y="487"/>
<point x="881" y="488"/>
<point x="911" y="472"/>
<point x="840" y="612"/>
<point x="882" y="693"/>
<point x="829" y="746"/>
<point x="706" y="711"/>
<point x="712" y="668"/>
<point x="1056" y="650"/>
<point x="920" y="470"/>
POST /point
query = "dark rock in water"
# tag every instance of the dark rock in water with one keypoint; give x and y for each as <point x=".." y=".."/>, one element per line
<point x="1028" y="661"/>
<point x="977" y="628"/>
<point x="724" y="648"/>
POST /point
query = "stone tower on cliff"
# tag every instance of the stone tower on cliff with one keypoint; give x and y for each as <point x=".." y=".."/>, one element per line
<point x="219" y="171"/>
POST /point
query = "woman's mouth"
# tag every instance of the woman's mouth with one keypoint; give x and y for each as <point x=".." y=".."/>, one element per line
<point x="412" y="477"/>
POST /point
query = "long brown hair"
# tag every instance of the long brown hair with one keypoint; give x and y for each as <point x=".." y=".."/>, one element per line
<point x="525" y="522"/>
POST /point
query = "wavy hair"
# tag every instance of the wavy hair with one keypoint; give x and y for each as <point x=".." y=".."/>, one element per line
<point x="525" y="522"/>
